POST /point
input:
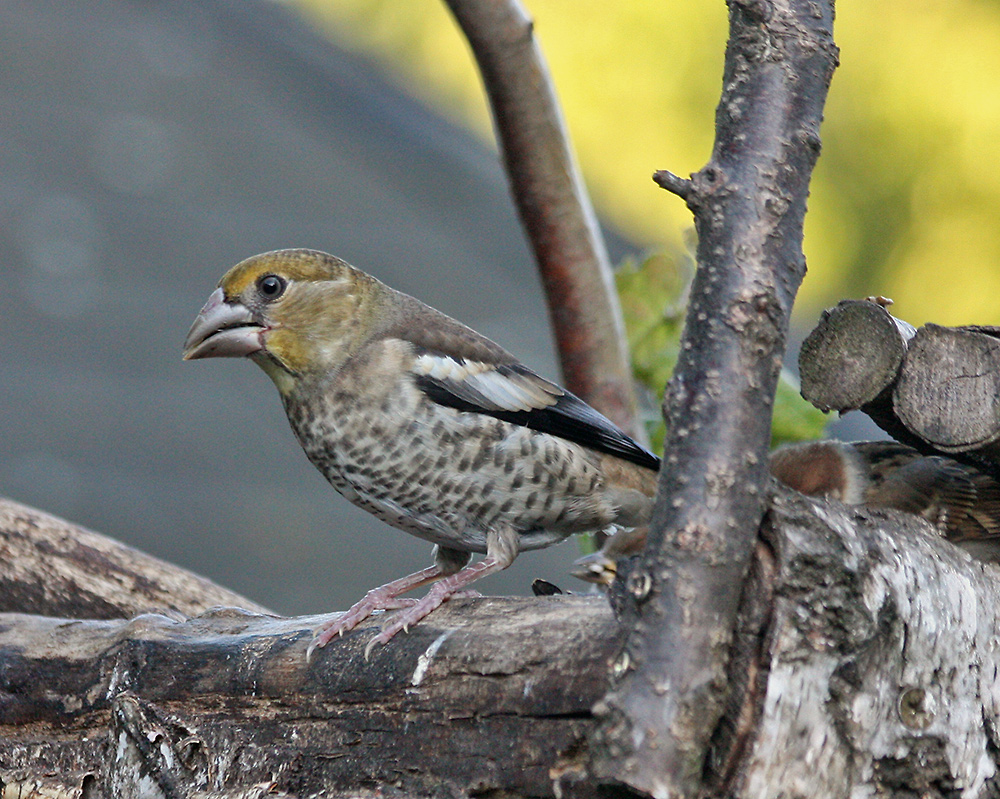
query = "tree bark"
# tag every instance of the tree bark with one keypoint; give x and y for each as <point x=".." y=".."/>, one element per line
<point x="749" y="204"/>
<point x="864" y="663"/>
<point x="880" y="658"/>
<point x="780" y="648"/>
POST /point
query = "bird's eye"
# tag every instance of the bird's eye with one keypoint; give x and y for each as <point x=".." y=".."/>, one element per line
<point x="271" y="287"/>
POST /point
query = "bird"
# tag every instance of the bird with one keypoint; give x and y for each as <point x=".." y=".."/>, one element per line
<point x="959" y="501"/>
<point x="423" y="422"/>
<point x="601" y="566"/>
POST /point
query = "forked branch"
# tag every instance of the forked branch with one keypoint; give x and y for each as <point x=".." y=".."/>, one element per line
<point x="749" y="204"/>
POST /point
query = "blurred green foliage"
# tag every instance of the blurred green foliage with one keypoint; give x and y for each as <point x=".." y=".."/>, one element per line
<point x="654" y="294"/>
<point x="905" y="196"/>
<point x="794" y="419"/>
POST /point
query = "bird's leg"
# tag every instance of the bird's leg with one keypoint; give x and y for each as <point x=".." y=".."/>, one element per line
<point x="387" y="597"/>
<point x="501" y="549"/>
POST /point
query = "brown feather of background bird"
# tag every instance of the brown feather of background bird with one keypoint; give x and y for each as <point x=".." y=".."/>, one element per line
<point x="962" y="503"/>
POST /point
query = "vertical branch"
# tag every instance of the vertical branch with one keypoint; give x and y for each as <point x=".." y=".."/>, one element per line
<point x="553" y="205"/>
<point x="749" y="204"/>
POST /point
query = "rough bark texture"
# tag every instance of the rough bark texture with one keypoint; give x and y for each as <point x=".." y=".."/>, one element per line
<point x="934" y="388"/>
<point x="56" y="568"/>
<point x="865" y="664"/>
<point x="490" y="695"/>
<point x="749" y="204"/>
<point x="554" y="207"/>
<point x="881" y="661"/>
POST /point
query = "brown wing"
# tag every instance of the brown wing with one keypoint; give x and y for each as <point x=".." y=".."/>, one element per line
<point x="962" y="502"/>
<point x="457" y="367"/>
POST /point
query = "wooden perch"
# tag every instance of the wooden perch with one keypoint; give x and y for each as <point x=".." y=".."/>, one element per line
<point x="55" y="568"/>
<point x="490" y="694"/>
<point x="935" y="388"/>
<point x="493" y="693"/>
<point x="865" y="662"/>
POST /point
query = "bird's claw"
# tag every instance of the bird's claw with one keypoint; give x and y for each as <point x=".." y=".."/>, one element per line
<point x="414" y="611"/>
<point x="311" y="650"/>
<point x="375" y="641"/>
<point x="386" y="635"/>
<point x="417" y="611"/>
<point x="345" y="622"/>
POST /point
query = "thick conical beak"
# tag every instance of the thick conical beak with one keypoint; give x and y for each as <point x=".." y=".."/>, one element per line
<point x="597" y="567"/>
<point x="223" y="330"/>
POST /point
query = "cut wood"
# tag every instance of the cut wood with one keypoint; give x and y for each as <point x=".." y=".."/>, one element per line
<point x="936" y="389"/>
<point x="949" y="391"/>
<point x="852" y="357"/>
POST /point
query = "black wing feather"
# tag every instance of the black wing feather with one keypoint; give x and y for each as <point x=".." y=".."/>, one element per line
<point x="569" y="417"/>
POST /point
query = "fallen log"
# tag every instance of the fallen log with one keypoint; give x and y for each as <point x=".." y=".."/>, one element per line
<point x="866" y="660"/>
<point x="53" y="567"/>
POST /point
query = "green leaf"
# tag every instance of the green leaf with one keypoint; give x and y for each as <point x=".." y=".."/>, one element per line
<point x="794" y="418"/>
<point x="654" y="294"/>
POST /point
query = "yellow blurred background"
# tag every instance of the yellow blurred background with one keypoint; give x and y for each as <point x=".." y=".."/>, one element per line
<point x="906" y="191"/>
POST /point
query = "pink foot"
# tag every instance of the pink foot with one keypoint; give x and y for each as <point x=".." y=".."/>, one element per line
<point x="387" y="597"/>
<point x="401" y="622"/>
<point x="341" y="623"/>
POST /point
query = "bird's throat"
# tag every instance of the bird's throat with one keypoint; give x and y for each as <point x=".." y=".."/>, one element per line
<point x="283" y="378"/>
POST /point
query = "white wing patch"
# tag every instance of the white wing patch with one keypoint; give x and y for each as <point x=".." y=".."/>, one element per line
<point x="492" y="387"/>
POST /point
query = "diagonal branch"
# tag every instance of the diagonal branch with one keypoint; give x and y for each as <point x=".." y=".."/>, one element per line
<point x="749" y="204"/>
<point x="554" y="206"/>
<point x="56" y="568"/>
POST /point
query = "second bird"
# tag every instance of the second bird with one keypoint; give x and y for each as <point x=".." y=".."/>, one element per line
<point x="423" y="422"/>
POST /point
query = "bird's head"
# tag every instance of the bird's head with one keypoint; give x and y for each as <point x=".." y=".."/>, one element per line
<point x="294" y="312"/>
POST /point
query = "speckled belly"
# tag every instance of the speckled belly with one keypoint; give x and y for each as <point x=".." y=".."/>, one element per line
<point x="448" y="476"/>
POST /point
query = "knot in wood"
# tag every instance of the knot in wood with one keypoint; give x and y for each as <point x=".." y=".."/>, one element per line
<point x="709" y="180"/>
<point x="756" y="10"/>
<point x="811" y="139"/>
<point x="776" y="206"/>
<point x="916" y="708"/>
<point x="639" y="584"/>
<point x="622" y="665"/>
<point x="700" y="538"/>
<point x="756" y="315"/>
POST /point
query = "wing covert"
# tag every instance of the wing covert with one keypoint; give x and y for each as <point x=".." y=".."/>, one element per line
<point x="515" y="394"/>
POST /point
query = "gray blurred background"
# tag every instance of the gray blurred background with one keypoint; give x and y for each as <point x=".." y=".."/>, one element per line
<point x="145" y="147"/>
